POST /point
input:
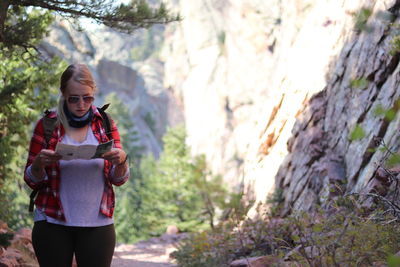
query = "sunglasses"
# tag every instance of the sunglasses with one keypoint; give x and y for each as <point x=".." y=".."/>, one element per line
<point x="75" y="99"/>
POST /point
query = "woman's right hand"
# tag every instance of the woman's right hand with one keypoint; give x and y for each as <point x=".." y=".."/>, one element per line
<point x="45" y="158"/>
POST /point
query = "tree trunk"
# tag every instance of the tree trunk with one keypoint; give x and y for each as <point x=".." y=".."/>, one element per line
<point x="4" y="4"/>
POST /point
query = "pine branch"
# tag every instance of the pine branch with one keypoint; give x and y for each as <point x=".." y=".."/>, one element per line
<point x="124" y="18"/>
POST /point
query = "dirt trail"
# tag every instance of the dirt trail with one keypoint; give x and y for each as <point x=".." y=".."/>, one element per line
<point x="149" y="253"/>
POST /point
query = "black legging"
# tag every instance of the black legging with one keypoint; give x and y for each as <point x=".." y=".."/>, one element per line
<point x="55" y="245"/>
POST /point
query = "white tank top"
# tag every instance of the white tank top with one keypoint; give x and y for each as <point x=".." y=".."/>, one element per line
<point x="81" y="189"/>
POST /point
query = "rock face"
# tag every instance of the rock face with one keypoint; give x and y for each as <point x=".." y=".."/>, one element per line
<point x="272" y="90"/>
<point x="218" y="62"/>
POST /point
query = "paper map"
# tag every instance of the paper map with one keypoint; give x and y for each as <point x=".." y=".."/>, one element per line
<point x="69" y="152"/>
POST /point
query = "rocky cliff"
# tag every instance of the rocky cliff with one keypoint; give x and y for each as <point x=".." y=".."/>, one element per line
<point x="272" y="91"/>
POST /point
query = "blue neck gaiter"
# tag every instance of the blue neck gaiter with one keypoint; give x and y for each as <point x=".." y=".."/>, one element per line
<point x="78" y="122"/>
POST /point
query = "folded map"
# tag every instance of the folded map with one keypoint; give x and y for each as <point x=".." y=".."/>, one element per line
<point x="69" y="152"/>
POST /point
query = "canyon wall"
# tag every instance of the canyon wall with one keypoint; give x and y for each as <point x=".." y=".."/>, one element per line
<point x="272" y="91"/>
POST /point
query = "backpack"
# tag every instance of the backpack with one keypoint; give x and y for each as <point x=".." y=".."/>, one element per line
<point x="50" y="123"/>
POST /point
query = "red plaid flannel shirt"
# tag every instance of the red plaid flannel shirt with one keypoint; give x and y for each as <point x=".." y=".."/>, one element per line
<point x="48" y="199"/>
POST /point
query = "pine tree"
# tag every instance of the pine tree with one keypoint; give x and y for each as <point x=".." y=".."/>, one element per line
<point x="27" y="88"/>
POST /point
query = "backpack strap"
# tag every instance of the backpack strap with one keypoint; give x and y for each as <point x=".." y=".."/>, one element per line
<point x="32" y="197"/>
<point x="49" y="124"/>
<point x="106" y="120"/>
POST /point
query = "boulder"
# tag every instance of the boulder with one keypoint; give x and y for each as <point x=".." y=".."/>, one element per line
<point x="172" y="230"/>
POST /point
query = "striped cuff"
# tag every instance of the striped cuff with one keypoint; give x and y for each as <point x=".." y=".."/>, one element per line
<point x="118" y="179"/>
<point x="32" y="177"/>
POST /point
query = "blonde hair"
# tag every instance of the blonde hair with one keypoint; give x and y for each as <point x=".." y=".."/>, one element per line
<point x="79" y="73"/>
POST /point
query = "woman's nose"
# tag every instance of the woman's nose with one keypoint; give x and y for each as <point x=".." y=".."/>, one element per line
<point x="80" y="103"/>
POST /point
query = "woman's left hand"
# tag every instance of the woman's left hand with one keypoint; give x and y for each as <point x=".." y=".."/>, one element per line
<point x="115" y="155"/>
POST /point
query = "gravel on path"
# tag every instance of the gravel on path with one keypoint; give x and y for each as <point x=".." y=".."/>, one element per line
<point x="149" y="253"/>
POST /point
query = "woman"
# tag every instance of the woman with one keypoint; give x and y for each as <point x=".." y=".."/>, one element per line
<point x="75" y="204"/>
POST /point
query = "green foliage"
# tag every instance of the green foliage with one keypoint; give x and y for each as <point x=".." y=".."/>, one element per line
<point x="276" y="201"/>
<point x="361" y="83"/>
<point x="379" y="110"/>
<point x="25" y="28"/>
<point x="128" y="226"/>
<point x="27" y="88"/>
<point x="123" y="17"/>
<point x="357" y="133"/>
<point x="221" y="41"/>
<point x="176" y="189"/>
<point x="148" y="118"/>
<point x="393" y="160"/>
<point x="202" y="249"/>
<point x="395" y="45"/>
<point x="361" y="18"/>
<point x="172" y="189"/>
<point x="221" y="38"/>
<point x="388" y="114"/>
<point x="393" y="261"/>
<point x="136" y="14"/>
<point x="346" y="236"/>
<point x="232" y="240"/>
<point x="238" y="206"/>
<point x="26" y="91"/>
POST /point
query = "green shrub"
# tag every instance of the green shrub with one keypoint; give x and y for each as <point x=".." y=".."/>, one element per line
<point x="275" y="200"/>
<point x="361" y="83"/>
<point x="357" y="133"/>
<point x="233" y="239"/>
<point x="344" y="240"/>
<point x="343" y="236"/>
<point x="361" y="20"/>
<point x="395" y="45"/>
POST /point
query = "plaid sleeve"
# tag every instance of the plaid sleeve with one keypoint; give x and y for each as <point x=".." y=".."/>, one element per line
<point x="36" y="145"/>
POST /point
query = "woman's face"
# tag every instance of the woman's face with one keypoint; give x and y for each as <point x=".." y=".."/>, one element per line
<point x="79" y="98"/>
